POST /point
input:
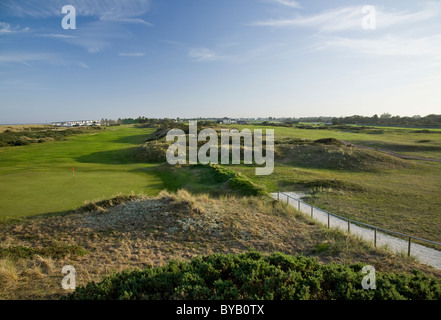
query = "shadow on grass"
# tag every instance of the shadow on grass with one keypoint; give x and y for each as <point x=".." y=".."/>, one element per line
<point x="195" y="179"/>
<point x="395" y="147"/>
<point x="135" y="139"/>
<point x="119" y="156"/>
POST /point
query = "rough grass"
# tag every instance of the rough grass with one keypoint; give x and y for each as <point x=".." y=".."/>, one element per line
<point x="8" y="272"/>
<point x="140" y="231"/>
<point x="333" y="157"/>
<point x="54" y="251"/>
<point x="24" y="135"/>
<point x="152" y="151"/>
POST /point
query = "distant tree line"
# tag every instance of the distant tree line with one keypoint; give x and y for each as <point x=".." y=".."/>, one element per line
<point x="142" y="120"/>
<point x="110" y="122"/>
<point x="387" y="119"/>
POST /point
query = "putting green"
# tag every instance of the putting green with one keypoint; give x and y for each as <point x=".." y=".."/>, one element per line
<point x="38" y="178"/>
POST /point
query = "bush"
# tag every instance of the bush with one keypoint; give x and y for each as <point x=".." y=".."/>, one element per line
<point x="252" y="276"/>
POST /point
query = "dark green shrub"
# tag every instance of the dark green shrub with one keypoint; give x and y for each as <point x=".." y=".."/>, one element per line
<point x="252" y="276"/>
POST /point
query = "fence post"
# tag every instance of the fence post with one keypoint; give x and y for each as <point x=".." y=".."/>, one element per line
<point x="375" y="237"/>
<point x="278" y="196"/>
<point x="408" y="250"/>
<point x="349" y="226"/>
<point x="298" y="205"/>
<point x="329" y="223"/>
<point x="312" y="211"/>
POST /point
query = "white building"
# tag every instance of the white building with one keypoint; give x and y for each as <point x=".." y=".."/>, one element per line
<point x="77" y="123"/>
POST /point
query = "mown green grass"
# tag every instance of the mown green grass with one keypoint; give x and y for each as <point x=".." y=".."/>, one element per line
<point x="38" y="178"/>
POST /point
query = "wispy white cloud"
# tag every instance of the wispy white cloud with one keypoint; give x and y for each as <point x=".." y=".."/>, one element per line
<point x="414" y="38"/>
<point x="83" y="65"/>
<point x="386" y="46"/>
<point x="223" y="53"/>
<point x="108" y="10"/>
<point x="288" y="3"/>
<point x="26" y="58"/>
<point x="335" y="19"/>
<point x="350" y="18"/>
<point x="30" y="58"/>
<point x="56" y="35"/>
<point x="95" y="36"/>
<point x="204" y="54"/>
<point x="133" y="20"/>
<point x="6" y="28"/>
<point x="131" y="54"/>
<point x="197" y="52"/>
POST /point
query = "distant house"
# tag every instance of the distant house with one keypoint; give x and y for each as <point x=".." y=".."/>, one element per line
<point x="226" y="120"/>
<point x="77" y="123"/>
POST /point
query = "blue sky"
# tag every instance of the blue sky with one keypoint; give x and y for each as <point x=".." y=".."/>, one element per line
<point x="206" y="58"/>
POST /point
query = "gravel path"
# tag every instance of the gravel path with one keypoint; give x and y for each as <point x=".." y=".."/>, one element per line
<point x="423" y="254"/>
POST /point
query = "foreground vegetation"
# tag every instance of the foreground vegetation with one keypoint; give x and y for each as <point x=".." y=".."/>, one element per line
<point x="253" y="276"/>
<point x="136" y="232"/>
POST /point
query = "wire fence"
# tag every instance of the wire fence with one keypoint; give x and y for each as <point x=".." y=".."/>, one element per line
<point x="381" y="237"/>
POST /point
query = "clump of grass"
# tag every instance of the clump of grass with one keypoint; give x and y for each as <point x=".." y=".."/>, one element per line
<point x="55" y="251"/>
<point x="46" y="264"/>
<point x="8" y="271"/>
<point x="102" y="205"/>
<point x="265" y="205"/>
<point x="334" y="184"/>
<point x="182" y="199"/>
<point x="10" y="220"/>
